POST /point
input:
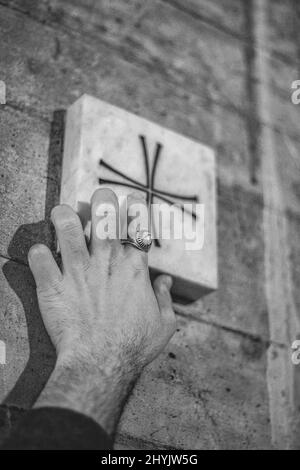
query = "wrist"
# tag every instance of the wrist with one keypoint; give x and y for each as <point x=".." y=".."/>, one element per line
<point x="87" y="385"/>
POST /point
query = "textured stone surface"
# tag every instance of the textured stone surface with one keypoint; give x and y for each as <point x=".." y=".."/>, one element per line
<point x="2" y="92"/>
<point x="285" y="114"/>
<point x="96" y="133"/>
<point x="202" y="61"/>
<point x="49" y="74"/>
<point x="228" y="15"/>
<point x="128" y="82"/>
<point x="30" y="356"/>
<point x="25" y="173"/>
<point x="287" y="154"/>
<point x="207" y="60"/>
<point x="241" y="294"/>
<point x="283" y="33"/>
<point x="294" y="252"/>
<point x="207" y="391"/>
<point x="114" y="15"/>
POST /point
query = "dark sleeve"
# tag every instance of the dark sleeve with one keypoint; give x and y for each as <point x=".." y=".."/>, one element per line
<point x="57" y="428"/>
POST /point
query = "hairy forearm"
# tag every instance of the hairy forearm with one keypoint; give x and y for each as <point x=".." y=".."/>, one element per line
<point x="86" y="387"/>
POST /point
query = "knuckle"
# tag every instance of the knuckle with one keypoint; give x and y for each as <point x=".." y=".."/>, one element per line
<point x="139" y="270"/>
<point x="64" y="218"/>
<point x="70" y="228"/>
<point x="138" y="259"/>
<point x="78" y="252"/>
<point x="52" y="291"/>
<point x="140" y="263"/>
<point x="160" y="288"/>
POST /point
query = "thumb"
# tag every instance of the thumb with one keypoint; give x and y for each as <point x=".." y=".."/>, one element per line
<point x="162" y="286"/>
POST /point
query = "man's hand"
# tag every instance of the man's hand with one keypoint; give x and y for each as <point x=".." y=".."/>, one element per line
<point x="101" y="313"/>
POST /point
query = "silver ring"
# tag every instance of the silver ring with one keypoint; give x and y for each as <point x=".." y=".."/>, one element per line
<point x="142" y="241"/>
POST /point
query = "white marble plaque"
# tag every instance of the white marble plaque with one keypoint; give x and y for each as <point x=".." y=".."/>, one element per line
<point x="108" y="146"/>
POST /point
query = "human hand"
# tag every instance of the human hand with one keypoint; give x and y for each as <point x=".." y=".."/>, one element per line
<point x="101" y="312"/>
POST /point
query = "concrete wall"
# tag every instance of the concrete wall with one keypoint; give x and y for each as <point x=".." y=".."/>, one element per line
<point x="219" y="71"/>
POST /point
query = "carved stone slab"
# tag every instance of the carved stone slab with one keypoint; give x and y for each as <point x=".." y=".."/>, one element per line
<point x="106" y="145"/>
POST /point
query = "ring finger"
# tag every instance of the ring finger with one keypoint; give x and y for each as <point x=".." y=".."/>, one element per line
<point x="137" y="220"/>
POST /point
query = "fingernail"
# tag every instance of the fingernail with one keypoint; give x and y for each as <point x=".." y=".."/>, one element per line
<point x="168" y="281"/>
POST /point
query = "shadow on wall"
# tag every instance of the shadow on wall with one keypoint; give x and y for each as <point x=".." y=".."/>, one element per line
<point x="42" y="356"/>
